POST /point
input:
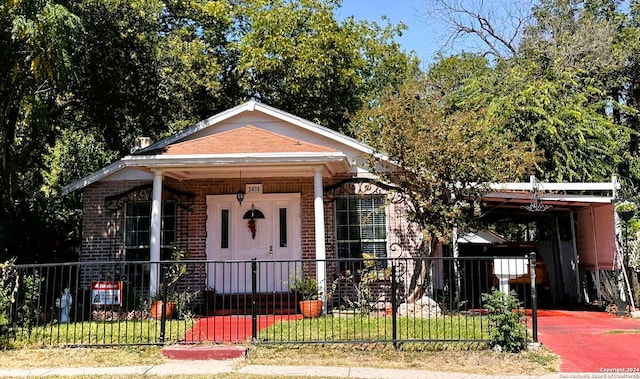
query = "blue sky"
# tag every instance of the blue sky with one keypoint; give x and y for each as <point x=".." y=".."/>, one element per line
<point x="427" y="36"/>
<point x="423" y="38"/>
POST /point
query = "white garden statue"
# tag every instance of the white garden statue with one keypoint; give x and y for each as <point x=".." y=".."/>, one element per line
<point x="64" y="303"/>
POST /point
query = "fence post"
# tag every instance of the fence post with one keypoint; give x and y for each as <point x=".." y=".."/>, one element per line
<point x="534" y="296"/>
<point x="163" y="316"/>
<point x="394" y="306"/>
<point x="254" y="296"/>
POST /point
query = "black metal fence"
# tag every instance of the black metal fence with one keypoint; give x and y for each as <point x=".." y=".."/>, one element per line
<point x="189" y="301"/>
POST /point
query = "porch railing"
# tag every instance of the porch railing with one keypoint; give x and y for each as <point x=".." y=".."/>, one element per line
<point x="401" y="300"/>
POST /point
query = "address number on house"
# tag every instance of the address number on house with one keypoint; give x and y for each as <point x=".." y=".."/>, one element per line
<point x="254" y="188"/>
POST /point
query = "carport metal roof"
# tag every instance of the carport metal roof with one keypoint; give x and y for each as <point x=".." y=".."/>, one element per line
<point x="507" y="201"/>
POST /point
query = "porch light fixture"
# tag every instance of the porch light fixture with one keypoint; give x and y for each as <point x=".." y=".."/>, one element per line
<point x="240" y="194"/>
<point x="536" y="201"/>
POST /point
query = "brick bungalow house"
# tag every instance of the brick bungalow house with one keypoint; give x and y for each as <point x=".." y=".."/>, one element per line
<point x="201" y="187"/>
<point x="257" y="182"/>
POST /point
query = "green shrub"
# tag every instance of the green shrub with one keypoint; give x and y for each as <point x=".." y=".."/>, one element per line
<point x="506" y="316"/>
<point x="28" y="311"/>
<point x="306" y="286"/>
<point x="9" y="284"/>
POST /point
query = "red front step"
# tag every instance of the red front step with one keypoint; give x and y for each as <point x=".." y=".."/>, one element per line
<point x="241" y="304"/>
<point x="218" y="352"/>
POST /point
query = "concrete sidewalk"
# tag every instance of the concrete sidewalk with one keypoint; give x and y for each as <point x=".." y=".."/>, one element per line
<point x="211" y="367"/>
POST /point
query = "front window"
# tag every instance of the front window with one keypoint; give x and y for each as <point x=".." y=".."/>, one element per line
<point x="361" y="227"/>
<point x="138" y="230"/>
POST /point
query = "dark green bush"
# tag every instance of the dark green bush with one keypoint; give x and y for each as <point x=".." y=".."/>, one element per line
<point x="507" y="319"/>
<point x="9" y="285"/>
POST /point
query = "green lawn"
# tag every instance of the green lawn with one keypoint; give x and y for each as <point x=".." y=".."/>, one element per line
<point x="351" y="328"/>
<point x="102" y="333"/>
<point x="359" y="328"/>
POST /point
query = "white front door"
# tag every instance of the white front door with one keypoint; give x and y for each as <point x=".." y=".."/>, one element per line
<point x="231" y="243"/>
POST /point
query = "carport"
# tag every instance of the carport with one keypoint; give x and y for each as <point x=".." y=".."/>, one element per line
<point x="576" y="233"/>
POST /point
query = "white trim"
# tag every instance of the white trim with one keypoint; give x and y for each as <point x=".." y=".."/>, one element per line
<point x="193" y="161"/>
<point x="89" y="179"/>
<point x="526" y="196"/>
<point x="613" y="186"/>
<point x="154" y="160"/>
<point x="251" y="106"/>
<point x="248" y="106"/>
<point x="579" y="186"/>
<point x="313" y="127"/>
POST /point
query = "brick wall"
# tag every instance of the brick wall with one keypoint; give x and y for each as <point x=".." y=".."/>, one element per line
<point x="102" y="238"/>
<point x="102" y="229"/>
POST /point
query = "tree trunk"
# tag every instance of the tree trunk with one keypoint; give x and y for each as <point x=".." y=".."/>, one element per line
<point x="422" y="269"/>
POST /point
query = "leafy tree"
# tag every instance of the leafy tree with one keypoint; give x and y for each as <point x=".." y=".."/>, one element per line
<point x="563" y="83"/>
<point x="631" y="93"/>
<point x="440" y="155"/>
<point x="296" y="56"/>
<point x="568" y="85"/>
<point x="117" y="79"/>
<point x="560" y="116"/>
<point x="197" y="61"/>
<point x="36" y="41"/>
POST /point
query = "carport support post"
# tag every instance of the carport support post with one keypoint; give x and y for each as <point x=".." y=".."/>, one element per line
<point x="534" y="296"/>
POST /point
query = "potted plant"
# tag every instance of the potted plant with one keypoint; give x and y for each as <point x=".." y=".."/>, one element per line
<point x="171" y="275"/>
<point x="306" y="288"/>
<point x="156" y="308"/>
<point x="626" y="210"/>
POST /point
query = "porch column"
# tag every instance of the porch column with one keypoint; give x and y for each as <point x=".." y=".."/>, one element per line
<point x="321" y="255"/>
<point x="154" y="237"/>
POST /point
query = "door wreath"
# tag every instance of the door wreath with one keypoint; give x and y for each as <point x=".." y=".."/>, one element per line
<point x="251" y="216"/>
<point x="252" y="227"/>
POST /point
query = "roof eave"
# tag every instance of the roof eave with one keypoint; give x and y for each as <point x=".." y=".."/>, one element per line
<point x="159" y="162"/>
<point x="94" y="177"/>
<point x="524" y="196"/>
<point x="203" y="159"/>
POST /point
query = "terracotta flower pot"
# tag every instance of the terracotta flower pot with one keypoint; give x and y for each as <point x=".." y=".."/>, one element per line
<point x="310" y="308"/>
<point x="156" y="310"/>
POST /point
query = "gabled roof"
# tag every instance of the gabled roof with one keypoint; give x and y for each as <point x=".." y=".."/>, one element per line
<point x="197" y="149"/>
<point x="251" y="106"/>
<point x="254" y="140"/>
